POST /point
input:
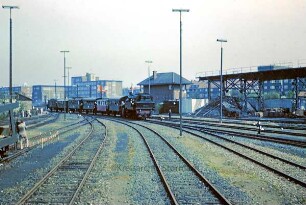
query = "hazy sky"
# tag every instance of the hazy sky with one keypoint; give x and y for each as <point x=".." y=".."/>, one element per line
<point x="113" y="39"/>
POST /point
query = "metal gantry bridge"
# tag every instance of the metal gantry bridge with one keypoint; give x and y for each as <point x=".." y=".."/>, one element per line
<point x="250" y="83"/>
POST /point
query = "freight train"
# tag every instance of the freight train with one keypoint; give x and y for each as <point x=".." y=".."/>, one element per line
<point x="139" y="106"/>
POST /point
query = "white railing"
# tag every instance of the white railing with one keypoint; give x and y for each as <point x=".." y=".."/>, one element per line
<point x="281" y="65"/>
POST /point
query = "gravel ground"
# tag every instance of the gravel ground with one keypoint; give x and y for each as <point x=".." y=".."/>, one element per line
<point x="124" y="173"/>
<point x="66" y="179"/>
<point x="60" y="122"/>
<point x="248" y="183"/>
<point x="276" y="164"/>
<point x="183" y="182"/>
<point x="19" y="175"/>
<point x="295" y="154"/>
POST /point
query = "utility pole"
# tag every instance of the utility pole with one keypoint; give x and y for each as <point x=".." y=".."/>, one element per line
<point x="68" y="68"/>
<point x="180" y="10"/>
<point x="221" y="78"/>
<point x="11" y="51"/>
<point x="64" y="82"/>
<point x="55" y="89"/>
<point x="149" y="62"/>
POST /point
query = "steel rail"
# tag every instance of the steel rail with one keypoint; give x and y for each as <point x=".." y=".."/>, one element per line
<point x="27" y="149"/>
<point x="93" y="161"/>
<point x="158" y="169"/>
<point x="258" y="137"/>
<point x="289" y="124"/>
<point x="249" y="128"/>
<point x="52" y="171"/>
<point x="263" y="138"/>
<point x="241" y="125"/>
<point x="196" y="172"/>
<point x="280" y="173"/>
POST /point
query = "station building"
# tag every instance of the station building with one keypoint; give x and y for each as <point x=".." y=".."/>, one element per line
<point x="164" y="86"/>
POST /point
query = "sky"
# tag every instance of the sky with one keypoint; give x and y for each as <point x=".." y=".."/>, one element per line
<point x="113" y="39"/>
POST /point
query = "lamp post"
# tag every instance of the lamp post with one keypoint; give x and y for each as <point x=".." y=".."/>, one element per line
<point x="55" y="88"/>
<point x="180" y="10"/>
<point x="64" y="81"/>
<point x="68" y="68"/>
<point x="221" y="78"/>
<point x="149" y="62"/>
<point x="11" y="71"/>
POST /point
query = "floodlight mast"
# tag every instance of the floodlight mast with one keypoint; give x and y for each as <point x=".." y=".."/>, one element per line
<point x="180" y="10"/>
<point x="221" y="78"/>
<point x="64" y="82"/>
<point x="11" y="51"/>
<point x="149" y="62"/>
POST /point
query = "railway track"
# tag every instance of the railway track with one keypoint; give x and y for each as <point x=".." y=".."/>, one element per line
<point x="40" y="122"/>
<point x="62" y="184"/>
<point x="37" y="138"/>
<point x="286" y="174"/>
<point x="238" y="131"/>
<point x="298" y="130"/>
<point x="183" y="183"/>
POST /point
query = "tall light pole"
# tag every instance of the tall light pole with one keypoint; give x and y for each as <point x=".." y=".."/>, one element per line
<point x="68" y="68"/>
<point x="180" y="10"/>
<point x="221" y="78"/>
<point x="149" y="62"/>
<point x="11" y="71"/>
<point x="55" y="88"/>
<point x="64" y="81"/>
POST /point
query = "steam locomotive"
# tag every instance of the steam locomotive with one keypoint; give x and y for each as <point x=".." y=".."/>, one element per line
<point x="139" y="106"/>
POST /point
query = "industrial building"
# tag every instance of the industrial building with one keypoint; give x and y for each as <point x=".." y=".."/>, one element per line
<point x="164" y="86"/>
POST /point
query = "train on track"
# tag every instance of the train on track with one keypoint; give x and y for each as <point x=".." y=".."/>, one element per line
<point x="138" y="106"/>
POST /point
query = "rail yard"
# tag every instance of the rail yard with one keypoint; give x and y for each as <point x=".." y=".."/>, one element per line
<point x="153" y="102"/>
<point x="102" y="159"/>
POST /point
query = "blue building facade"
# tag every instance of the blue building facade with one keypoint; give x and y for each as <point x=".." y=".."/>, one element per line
<point x="5" y="91"/>
<point x="42" y="93"/>
<point x="89" y="86"/>
<point x="199" y="90"/>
